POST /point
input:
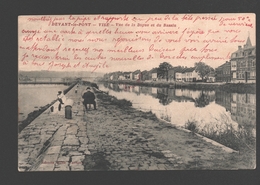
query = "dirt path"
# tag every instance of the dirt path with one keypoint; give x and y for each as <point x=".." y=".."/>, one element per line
<point x="115" y="137"/>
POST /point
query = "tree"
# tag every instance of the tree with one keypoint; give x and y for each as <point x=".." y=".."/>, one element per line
<point x="202" y="69"/>
<point x="202" y="101"/>
<point x="163" y="70"/>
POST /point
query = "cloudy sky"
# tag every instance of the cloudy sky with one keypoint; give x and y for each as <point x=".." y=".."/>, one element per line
<point x="106" y="43"/>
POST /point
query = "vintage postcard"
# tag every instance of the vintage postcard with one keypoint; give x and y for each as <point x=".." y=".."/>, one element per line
<point x="137" y="92"/>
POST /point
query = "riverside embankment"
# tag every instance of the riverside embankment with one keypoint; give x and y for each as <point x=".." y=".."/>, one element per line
<point x="115" y="137"/>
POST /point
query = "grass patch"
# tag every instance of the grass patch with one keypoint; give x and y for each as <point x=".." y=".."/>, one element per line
<point x="192" y="125"/>
<point x="225" y="133"/>
<point x="230" y="137"/>
<point x="114" y="101"/>
<point x="120" y="103"/>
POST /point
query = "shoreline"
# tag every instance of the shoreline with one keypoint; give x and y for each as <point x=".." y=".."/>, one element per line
<point x="128" y="105"/>
<point x="242" y="155"/>
<point x="228" y="87"/>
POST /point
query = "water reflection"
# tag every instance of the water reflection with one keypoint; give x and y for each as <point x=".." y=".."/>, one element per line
<point x="210" y="109"/>
<point x="242" y="108"/>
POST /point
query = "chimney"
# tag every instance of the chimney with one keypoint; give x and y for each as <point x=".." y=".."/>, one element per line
<point x="239" y="47"/>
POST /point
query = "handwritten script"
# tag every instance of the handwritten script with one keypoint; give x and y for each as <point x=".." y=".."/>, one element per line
<point x="110" y="42"/>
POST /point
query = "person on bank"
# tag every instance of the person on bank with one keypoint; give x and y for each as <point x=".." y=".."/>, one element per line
<point x="89" y="98"/>
<point x="61" y="98"/>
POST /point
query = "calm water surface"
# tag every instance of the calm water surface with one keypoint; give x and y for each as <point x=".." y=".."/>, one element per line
<point x="32" y="97"/>
<point x="210" y="109"/>
<point x="214" y="109"/>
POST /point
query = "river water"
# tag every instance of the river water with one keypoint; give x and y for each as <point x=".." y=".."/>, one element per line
<point x="209" y="109"/>
<point x="33" y="97"/>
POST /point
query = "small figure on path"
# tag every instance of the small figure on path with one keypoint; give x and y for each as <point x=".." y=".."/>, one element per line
<point x="89" y="98"/>
<point x="61" y="99"/>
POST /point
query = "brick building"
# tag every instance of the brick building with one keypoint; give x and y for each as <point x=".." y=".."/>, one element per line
<point x="243" y="64"/>
<point x="223" y="72"/>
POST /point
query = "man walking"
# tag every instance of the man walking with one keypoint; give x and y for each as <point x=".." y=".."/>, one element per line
<point x="89" y="98"/>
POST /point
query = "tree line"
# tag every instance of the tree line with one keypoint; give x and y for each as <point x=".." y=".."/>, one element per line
<point x="200" y="67"/>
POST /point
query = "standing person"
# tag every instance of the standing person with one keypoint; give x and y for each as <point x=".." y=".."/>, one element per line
<point x="61" y="99"/>
<point x="89" y="98"/>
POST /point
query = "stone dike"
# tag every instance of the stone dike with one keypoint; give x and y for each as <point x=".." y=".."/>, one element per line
<point x="115" y="137"/>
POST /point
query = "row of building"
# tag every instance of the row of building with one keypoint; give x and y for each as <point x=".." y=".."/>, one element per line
<point x="240" y="69"/>
<point x="174" y="74"/>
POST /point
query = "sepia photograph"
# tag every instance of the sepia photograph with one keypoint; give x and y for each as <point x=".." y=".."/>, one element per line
<point x="137" y="92"/>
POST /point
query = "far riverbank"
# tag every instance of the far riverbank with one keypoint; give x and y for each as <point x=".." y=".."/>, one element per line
<point x="228" y="87"/>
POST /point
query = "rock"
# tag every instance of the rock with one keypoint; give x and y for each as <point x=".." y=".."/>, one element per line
<point x="54" y="150"/>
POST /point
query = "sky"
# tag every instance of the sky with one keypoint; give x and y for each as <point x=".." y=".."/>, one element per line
<point x="107" y="43"/>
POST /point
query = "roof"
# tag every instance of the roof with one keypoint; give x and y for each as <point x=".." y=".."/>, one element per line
<point x="190" y="69"/>
<point x="248" y="42"/>
<point x="226" y="63"/>
<point x="154" y="70"/>
<point x="247" y="46"/>
<point x="137" y="71"/>
<point x="176" y="69"/>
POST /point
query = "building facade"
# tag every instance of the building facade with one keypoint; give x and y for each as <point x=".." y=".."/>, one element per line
<point x="153" y="74"/>
<point x="243" y="64"/>
<point x="172" y="73"/>
<point x="223" y="72"/>
<point x="144" y="75"/>
<point x="189" y="75"/>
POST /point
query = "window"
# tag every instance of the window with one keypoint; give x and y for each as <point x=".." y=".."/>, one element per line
<point x="248" y="74"/>
<point x="252" y="74"/>
<point x="249" y="63"/>
<point x="253" y="63"/>
<point x="234" y="75"/>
